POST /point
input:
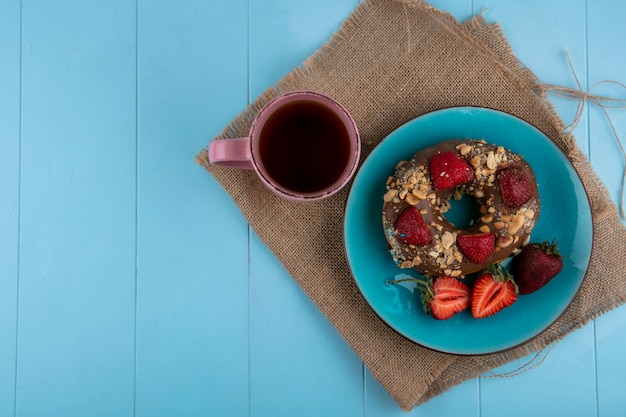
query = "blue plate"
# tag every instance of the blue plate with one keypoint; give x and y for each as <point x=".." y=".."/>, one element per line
<point x="565" y="215"/>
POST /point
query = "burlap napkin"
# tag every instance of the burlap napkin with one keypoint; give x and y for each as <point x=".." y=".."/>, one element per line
<point x="390" y="62"/>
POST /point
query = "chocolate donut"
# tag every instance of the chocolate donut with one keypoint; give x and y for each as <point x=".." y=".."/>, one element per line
<point x="418" y="196"/>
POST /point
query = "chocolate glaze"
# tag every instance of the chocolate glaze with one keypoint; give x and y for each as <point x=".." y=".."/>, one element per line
<point x="442" y="256"/>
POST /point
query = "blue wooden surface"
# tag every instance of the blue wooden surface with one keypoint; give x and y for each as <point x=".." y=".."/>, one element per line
<point x="130" y="284"/>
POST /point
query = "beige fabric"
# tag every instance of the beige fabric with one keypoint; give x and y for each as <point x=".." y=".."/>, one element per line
<point x="390" y="62"/>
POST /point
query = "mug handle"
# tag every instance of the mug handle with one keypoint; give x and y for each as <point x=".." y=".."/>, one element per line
<point x="234" y="153"/>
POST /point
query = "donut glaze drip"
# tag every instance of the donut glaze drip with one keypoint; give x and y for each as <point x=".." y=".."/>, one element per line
<point x="411" y="185"/>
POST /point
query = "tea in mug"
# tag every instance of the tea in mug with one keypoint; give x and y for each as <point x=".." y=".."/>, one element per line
<point x="304" y="146"/>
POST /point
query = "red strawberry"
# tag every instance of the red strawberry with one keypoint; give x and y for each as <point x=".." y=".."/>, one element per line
<point x="514" y="186"/>
<point x="493" y="290"/>
<point x="450" y="297"/>
<point x="536" y="265"/>
<point x="449" y="169"/>
<point x="411" y="228"/>
<point x="442" y="298"/>
<point x="477" y="248"/>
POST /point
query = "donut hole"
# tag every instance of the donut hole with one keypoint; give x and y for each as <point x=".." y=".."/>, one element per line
<point x="464" y="212"/>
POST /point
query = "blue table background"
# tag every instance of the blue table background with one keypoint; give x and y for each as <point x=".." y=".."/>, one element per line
<point x="131" y="285"/>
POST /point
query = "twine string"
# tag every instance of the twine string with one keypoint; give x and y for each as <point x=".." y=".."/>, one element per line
<point x="536" y="360"/>
<point x="603" y="103"/>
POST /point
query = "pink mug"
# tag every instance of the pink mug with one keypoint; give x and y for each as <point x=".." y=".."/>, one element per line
<point x="303" y="145"/>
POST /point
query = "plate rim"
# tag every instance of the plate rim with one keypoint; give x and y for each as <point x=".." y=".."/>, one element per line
<point x="453" y="351"/>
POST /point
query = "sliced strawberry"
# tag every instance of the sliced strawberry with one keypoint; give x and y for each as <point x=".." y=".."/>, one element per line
<point x="442" y="298"/>
<point x="411" y="228"/>
<point x="536" y="265"/>
<point x="448" y="170"/>
<point x="477" y="248"/>
<point x="493" y="291"/>
<point x="514" y="186"/>
<point x="450" y="297"/>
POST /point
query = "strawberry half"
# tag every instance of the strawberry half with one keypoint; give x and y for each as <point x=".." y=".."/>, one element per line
<point x="411" y="228"/>
<point x="448" y="170"/>
<point x="443" y="297"/>
<point x="536" y="265"/>
<point x="493" y="291"/>
<point x="450" y="297"/>
<point x="514" y="186"/>
<point x="477" y="248"/>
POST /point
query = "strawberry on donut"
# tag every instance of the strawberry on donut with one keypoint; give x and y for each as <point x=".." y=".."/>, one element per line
<point x="418" y="196"/>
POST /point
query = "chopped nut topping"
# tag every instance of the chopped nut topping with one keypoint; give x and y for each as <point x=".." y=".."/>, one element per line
<point x="491" y="160"/>
<point x="419" y="194"/>
<point x="389" y="195"/>
<point x="504" y="241"/>
<point x="447" y="239"/>
<point x="411" y="199"/>
<point x="465" y="149"/>
<point x="516" y="224"/>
